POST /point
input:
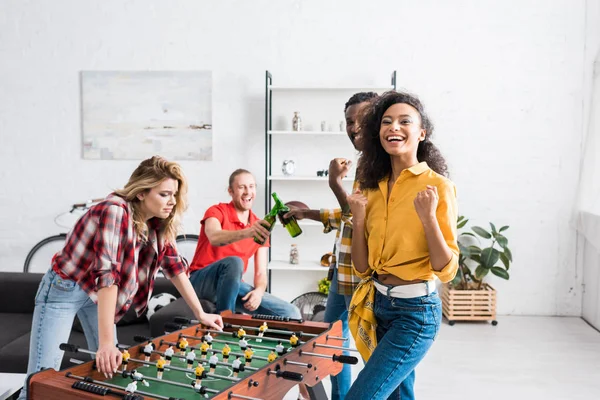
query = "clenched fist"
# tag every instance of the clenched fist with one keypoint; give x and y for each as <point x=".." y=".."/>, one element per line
<point x="426" y="203"/>
<point x="358" y="205"/>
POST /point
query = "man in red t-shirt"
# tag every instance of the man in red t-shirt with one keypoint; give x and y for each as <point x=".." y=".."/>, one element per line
<point x="225" y="245"/>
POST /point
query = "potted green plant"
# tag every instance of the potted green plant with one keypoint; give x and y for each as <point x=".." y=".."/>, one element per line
<point x="468" y="297"/>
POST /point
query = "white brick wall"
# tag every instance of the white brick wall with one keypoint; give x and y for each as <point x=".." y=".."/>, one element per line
<point x="502" y="81"/>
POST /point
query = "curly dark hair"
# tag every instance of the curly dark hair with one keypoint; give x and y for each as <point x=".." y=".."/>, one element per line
<point x="375" y="162"/>
<point x="358" y="98"/>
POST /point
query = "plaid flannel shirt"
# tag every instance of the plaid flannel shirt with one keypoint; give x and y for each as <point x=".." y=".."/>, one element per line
<point x="103" y="250"/>
<point x="342" y="222"/>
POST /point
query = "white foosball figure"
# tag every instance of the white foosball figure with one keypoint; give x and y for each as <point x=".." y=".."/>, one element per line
<point x="132" y="387"/>
<point x="213" y="363"/>
<point x="137" y="377"/>
<point x="243" y="344"/>
<point x="280" y="349"/>
<point x="236" y="367"/>
<point x="169" y="354"/>
<point x="209" y="339"/>
<point x="190" y="358"/>
<point x="148" y="352"/>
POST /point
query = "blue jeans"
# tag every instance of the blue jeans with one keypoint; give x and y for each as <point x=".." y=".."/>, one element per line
<point x="337" y="309"/>
<point x="57" y="302"/>
<point x="221" y="283"/>
<point x="406" y="329"/>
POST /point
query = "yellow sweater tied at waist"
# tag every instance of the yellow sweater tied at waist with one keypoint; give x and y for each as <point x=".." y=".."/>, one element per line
<point x="361" y="318"/>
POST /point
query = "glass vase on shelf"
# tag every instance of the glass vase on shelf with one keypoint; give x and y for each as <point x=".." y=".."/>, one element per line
<point x="296" y="122"/>
<point x="294" y="255"/>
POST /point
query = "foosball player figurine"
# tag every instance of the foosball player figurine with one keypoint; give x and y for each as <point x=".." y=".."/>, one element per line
<point x="204" y="349"/>
<point x="241" y="333"/>
<point x="132" y="387"/>
<point x="169" y="354"/>
<point x="200" y="374"/>
<point x="209" y="339"/>
<point x="148" y="352"/>
<point x="243" y="344"/>
<point x="213" y="363"/>
<point x="261" y="331"/>
<point x="160" y="367"/>
<point x="280" y="349"/>
<point x="226" y="350"/>
<point x="294" y="340"/>
<point x="182" y="345"/>
<point x="125" y="356"/>
<point x="190" y="358"/>
<point x="248" y="354"/>
<point x="236" y="364"/>
<point x="138" y="377"/>
<point x="272" y="356"/>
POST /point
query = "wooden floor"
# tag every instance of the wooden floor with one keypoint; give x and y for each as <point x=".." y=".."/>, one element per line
<point x="549" y="358"/>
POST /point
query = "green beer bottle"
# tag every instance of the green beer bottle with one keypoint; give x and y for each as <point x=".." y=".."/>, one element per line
<point x="289" y="223"/>
<point x="271" y="218"/>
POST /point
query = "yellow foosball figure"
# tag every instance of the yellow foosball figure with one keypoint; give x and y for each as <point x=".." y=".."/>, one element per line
<point x="125" y="361"/>
<point x="182" y="345"/>
<point x="200" y="374"/>
<point x="294" y="341"/>
<point x="226" y="350"/>
<point x="204" y="349"/>
<point x="248" y="355"/>
<point x="160" y="367"/>
<point x="261" y="331"/>
<point x="241" y="333"/>
<point x="272" y="356"/>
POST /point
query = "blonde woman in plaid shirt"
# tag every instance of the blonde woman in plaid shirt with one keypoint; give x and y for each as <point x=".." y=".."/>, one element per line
<point x="109" y="263"/>
<point x="343" y="279"/>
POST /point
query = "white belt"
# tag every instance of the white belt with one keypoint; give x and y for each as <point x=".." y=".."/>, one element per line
<point x="406" y="291"/>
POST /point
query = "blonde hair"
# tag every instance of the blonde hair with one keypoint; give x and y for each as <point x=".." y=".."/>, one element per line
<point x="149" y="174"/>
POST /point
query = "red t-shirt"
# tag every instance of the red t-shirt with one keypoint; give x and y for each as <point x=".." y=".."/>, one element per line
<point x="207" y="254"/>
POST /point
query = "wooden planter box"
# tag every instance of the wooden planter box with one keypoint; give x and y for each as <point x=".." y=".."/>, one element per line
<point x="469" y="305"/>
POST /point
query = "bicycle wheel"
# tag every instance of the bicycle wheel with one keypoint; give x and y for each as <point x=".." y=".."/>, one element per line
<point x="40" y="257"/>
<point x="186" y="246"/>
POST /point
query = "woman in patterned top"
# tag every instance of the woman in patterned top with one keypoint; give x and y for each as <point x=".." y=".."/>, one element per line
<point x="109" y="263"/>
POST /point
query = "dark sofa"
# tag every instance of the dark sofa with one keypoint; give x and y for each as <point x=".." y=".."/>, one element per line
<point x="17" y="294"/>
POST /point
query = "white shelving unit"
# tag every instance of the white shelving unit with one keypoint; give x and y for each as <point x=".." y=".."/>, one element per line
<point x="302" y="146"/>
<point x="283" y="265"/>
<point x="304" y="178"/>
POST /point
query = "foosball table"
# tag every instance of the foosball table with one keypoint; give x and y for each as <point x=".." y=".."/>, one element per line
<point x="252" y="358"/>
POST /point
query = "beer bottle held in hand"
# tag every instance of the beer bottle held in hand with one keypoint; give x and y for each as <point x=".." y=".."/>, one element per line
<point x="271" y="218"/>
<point x="290" y="224"/>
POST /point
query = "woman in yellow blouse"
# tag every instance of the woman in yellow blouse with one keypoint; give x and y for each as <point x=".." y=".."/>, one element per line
<point x="404" y="236"/>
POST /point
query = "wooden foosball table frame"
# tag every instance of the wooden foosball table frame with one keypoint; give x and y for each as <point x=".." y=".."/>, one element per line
<point x="262" y="384"/>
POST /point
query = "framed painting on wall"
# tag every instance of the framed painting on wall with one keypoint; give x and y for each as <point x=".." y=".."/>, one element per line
<point x="133" y="115"/>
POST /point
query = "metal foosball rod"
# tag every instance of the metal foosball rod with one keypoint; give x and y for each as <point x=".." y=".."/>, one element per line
<point x="327" y="346"/>
<point x="187" y="322"/>
<point x="335" y="338"/>
<point x="306" y="365"/>
<point x="160" y="353"/>
<point x="202" y="390"/>
<point x="179" y="369"/>
<point x="232" y="395"/>
<point x="337" y="358"/>
<point x="110" y="385"/>
<point x="254" y="346"/>
<point x="234" y="334"/>
<point x="215" y="350"/>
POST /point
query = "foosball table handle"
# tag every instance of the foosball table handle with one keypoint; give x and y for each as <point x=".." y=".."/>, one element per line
<point x="142" y="339"/>
<point x="345" y="359"/>
<point x="290" y="376"/>
<point x="172" y="327"/>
